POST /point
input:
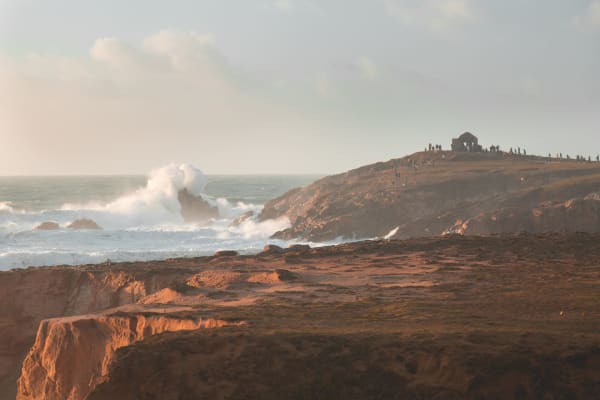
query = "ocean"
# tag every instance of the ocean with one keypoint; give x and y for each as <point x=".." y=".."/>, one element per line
<point x="139" y="215"/>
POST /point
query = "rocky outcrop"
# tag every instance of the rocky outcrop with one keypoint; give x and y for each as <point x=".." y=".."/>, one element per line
<point x="225" y="253"/>
<point x="272" y="249"/>
<point x="425" y="194"/>
<point x="84" y="223"/>
<point x="71" y="356"/>
<point x="47" y="226"/>
<point x="195" y="209"/>
<point x="574" y="215"/>
<point x="31" y="295"/>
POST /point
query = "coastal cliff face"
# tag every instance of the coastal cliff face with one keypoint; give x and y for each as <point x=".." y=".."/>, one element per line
<point x="433" y="193"/>
<point x="575" y="215"/>
<point x="71" y="355"/>
<point x="31" y="295"/>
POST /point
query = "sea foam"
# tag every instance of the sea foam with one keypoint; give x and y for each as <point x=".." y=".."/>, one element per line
<point x="144" y="224"/>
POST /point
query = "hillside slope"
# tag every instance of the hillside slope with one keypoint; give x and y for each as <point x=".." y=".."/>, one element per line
<point x="432" y="193"/>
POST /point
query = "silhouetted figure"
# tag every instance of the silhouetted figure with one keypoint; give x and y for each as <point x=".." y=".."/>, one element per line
<point x="598" y="158"/>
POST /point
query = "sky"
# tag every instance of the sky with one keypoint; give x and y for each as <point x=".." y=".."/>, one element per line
<point x="289" y="86"/>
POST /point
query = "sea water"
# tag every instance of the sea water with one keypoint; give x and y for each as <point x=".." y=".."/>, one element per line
<point x="139" y="215"/>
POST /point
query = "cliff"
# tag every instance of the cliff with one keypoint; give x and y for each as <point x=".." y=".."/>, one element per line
<point x="70" y="356"/>
<point x="574" y="215"/>
<point x="428" y="194"/>
<point x="31" y="295"/>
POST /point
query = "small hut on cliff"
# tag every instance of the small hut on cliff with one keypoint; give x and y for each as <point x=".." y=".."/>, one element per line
<point x="467" y="142"/>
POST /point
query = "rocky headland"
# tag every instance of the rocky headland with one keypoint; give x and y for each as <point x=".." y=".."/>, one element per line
<point x="440" y="192"/>
<point x="455" y="317"/>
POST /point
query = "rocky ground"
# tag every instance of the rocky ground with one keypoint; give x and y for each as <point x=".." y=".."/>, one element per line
<point x="432" y="193"/>
<point x="444" y="318"/>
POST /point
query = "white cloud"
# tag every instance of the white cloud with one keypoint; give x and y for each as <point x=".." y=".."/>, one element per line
<point x="590" y="18"/>
<point x="367" y="68"/>
<point x="437" y="15"/>
<point x="174" y="94"/>
<point x="112" y="51"/>
<point x="286" y="6"/>
<point x="324" y="86"/>
<point x="183" y="49"/>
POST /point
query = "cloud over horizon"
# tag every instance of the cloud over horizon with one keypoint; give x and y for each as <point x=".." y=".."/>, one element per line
<point x="437" y="15"/>
<point x="589" y="20"/>
<point x="279" y="97"/>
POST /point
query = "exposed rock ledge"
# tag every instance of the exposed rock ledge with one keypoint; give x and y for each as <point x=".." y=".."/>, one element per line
<point x="574" y="215"/>
<point x="71" y="355"/>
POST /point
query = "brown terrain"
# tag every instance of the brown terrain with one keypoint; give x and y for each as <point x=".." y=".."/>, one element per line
<point x="455" y="317"/>
<point x="432" y="193"/>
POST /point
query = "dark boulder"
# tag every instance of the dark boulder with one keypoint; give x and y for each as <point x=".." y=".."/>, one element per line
<point x="242" y="218"/>
<point x="47" y="226"/>
<point x="83" y="223"/>
<point x="226" y="253"/>
<point x="272" y="249"/>
<point x="195" y="208"/>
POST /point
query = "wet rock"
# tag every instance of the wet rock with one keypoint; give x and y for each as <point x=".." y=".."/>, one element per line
<point x="195" y="209"/>
<point x="272" y="249"/>
<point x="47" y="226"/>
<point x="226" y="253"/>
<point x="242" y="218"/>
<point x="84" y="223"/>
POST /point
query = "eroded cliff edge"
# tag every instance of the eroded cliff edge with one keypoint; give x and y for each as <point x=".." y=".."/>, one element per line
<point x="432" y="193"/>
<point x="71" y="355"/>
<point x="28" y="296"/>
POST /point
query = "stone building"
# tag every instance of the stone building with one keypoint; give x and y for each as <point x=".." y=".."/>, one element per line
<point x="467" y="142"/>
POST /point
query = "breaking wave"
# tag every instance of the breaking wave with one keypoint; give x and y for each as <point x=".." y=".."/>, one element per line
<point x="144" y="224"/>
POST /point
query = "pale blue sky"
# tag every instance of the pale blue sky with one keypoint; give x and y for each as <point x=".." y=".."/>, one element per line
<point x="282" y="86"/>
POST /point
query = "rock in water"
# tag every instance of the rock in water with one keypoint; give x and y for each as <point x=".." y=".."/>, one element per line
<point x="47" y="226"/>
<point x="242" y="218"/>
<point x="195" y="209"/>
<point x="83" y="223"/>
<point x="272" y="249"/>
<point x="225" y="253"/>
